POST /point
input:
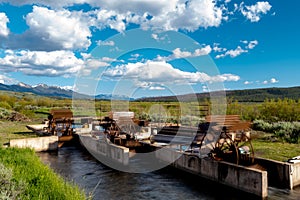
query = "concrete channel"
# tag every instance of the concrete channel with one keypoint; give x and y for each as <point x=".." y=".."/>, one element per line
<point x="47" y="143"/>
<point x="247" y="179"/>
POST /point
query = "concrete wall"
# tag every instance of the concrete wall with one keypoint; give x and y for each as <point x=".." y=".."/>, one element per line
<point x="105" y="152"/>
<point x="281" y="174"/>
<point x="38" y="144"/>
<point x="249" y="180"/>
<point x="295" y="171"/>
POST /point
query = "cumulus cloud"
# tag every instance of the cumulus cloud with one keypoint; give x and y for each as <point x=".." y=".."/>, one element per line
<point x="51" y="30"/>
<point x="232" y="53"/>
<point x="54" y="27"/>
<point x="61" y="27"/>
<point x="52" y="3"/>
<point x="7" y="80"/>
<point x="4" y="31"/>
<point x="158" y="73"/>
<point x="190" y="16"/>
<point x="178" y="53"/>
<point x="163" y="14"/>
<point x="254" y="12"/>
<point x="273" y="80"/>
<point x="108" y="18"/>
<point x="158" y="14"/>
<point x="42" y="63"/>
<point x="248" y="45"/>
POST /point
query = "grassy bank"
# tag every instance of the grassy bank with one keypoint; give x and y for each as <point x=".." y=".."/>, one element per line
<point x="266" y="146"/>
<point x="14" y="130"/>
<point x="24" y="175"/>
<point x="31" y="179"/>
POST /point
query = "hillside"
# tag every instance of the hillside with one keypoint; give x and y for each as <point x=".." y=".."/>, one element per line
<point x="41" y="89"/>
<point x="248" y="95"/>
<point x="55" y="91"/>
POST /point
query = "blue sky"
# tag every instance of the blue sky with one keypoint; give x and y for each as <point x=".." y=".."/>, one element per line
<point x="150" y="47"/>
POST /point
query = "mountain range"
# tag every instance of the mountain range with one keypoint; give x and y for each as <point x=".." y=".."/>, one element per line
<point x="55" y="91"/>
<point x="247" y="95"/>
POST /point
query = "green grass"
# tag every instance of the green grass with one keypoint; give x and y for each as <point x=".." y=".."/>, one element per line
<point x="266" y="147"/>
<point x="14" y="130"/>
<point x="39" y="180"/>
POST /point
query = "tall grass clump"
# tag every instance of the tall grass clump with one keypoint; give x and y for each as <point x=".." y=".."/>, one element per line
<point x="37" y="179"/>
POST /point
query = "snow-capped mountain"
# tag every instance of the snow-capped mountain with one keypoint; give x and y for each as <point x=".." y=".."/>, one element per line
<point x="24" y="85"/>
<point x="56" y="91"/>
<point x="42" y="89"/>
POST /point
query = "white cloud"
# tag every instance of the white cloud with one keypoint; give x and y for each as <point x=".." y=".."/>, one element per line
<point x="178" y="53"/>
<point x="134" y="57"/>
<point x="105" y="43"/>
<point x="156" y="88"/>
<point x="4" y="31"/>
<point x="198" y="52"/>
<point x="253" y="12"/>
<point x="109" y="18"/>
<point x="158" y="73"/>
<point x="232" y="53"/>
<point x="205" y="88"/>
<point x="155" y="36"/>
<point x="52" y="3"/>
<point x="252" y="44"/>
<point x="248" y="82"/>
<point x="42" y="63"/>
<point x="64" y="29"/>
<point x="216" y="48"/>
<point x="248" y="45"/>
<point x="162" y="14"/>
<point x="67" y="87"/>
<point x="189" y="16"/>
<point x="7" y="80"/>
<point x="107" y="59"/>
<point x="265" y="82"/>
<point x="273" y="80"/>
<point x="157" y="14"/>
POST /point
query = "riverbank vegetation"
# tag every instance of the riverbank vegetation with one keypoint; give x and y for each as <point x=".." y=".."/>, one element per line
<point x="24" y="176"/>
<point x="275" y="128"/>
<point x="277" y="118"/>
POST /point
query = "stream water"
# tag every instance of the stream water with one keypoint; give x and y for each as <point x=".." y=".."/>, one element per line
<point x="76" y="165"/>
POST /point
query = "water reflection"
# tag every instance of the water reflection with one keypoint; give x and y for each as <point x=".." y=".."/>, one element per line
<point x="77" y="165"/>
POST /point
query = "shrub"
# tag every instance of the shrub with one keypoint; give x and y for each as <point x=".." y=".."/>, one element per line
<point x="286" y="131"/>
<point x="5" y="105"/>
<point x="4" y="113"/>
<point x="9" y="188"/>
<point x="262" y="125"/>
